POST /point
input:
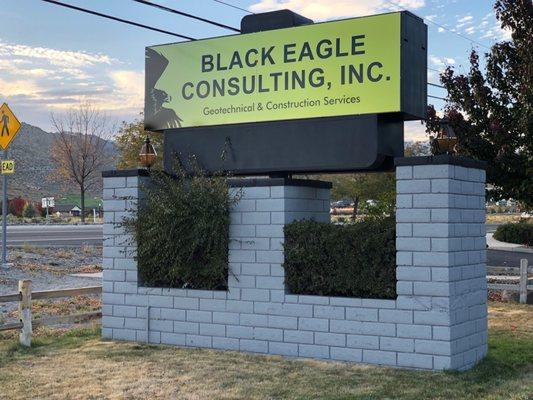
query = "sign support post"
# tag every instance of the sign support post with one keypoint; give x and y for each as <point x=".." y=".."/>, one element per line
<point x="5" y="264"/>
<point x="9" y="127"/>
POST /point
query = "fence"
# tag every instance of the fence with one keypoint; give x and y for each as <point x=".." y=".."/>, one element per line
<point x="522" y="286"/>
<point x="24" y="298"/>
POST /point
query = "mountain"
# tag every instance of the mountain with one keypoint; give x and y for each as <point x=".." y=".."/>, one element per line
<point x="34" y="175"/>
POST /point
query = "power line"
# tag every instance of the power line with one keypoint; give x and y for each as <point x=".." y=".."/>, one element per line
<point x="435" y="85"/>
<point x="441" y="26"/>
<point x="125" y="21"/>
<point x="172" y="10"/>
<point x="233" y="6"/>
<point x="437" y="97"/>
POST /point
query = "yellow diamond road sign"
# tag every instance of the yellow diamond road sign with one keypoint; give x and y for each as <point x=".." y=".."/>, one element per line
<point x="9" y="126"/>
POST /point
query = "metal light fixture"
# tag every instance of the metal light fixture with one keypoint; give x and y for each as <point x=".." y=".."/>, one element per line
<point x="446" y="141"/>
<point x="148" y="154"/>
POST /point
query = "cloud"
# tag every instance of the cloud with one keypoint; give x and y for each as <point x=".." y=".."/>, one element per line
<point x="319" y="10"/>
<point x="44" y="80"/>
<point x="465" y="19"/>
<point x="437" y="61"/>
<point x="415" y="131"/>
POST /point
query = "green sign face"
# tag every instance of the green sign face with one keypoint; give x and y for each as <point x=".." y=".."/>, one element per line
<point x="338" y="68"/>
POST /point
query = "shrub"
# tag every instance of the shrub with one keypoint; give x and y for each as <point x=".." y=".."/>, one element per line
<point x="16" y="206"/>
<point x="520" y="233"/>
<point x="29" y="211"/>
<point x="182" y="232"/>
<point x="356" y="260"/>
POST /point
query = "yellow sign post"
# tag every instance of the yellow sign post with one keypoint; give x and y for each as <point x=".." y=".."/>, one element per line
<point x="7" y="167"/>
<point x="9" y="126"/>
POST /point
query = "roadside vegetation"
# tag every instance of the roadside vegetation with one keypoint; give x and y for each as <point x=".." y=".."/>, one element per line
<point x="78" y="364"/>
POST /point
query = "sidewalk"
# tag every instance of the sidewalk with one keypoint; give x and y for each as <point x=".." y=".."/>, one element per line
<point x="494" y="244"/>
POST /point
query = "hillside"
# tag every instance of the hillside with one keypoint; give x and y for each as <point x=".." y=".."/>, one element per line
<point x="34" y="176"/>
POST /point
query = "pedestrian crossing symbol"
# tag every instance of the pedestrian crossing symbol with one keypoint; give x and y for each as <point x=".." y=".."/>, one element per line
<point x="9" y="126"/>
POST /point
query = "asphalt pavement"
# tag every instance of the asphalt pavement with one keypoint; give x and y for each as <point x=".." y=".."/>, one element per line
<point x="78" y="235"/>
<point x="54" y="235"/>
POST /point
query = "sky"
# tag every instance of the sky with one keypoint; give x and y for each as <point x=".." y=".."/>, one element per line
<point x="53" y="58"/>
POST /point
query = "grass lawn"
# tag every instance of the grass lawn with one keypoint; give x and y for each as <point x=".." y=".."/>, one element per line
<point x="78" y="365"/>
<point x="74" y="198"/>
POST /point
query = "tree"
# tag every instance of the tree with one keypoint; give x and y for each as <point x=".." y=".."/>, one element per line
<point x="29" y="211"/>
<point x="360" y="187"/>
<point x="16" y="206"/>
<point x="79" y="149"/>
<point x="130" y="138"/>
<point x="491" y="112"/>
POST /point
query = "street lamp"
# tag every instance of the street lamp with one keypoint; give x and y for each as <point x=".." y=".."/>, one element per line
<point x="446" y="141"/>
<point x="148" y="154"/>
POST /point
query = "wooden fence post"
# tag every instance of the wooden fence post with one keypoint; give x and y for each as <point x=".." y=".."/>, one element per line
<point x="523" y="281"/>
<point x="25" y="312"/>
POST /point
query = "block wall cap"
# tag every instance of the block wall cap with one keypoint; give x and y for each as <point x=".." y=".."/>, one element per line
<point x="440" y="159"/>
<point x="249" y="182"/>
<point x="121" y="173"/>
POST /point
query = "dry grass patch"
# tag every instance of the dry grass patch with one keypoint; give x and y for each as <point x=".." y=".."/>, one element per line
<point x="78" y="365"/>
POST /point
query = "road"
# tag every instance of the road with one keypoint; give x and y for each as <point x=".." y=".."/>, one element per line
<point x="77" y="235"/>
<point x="54" y="235"/>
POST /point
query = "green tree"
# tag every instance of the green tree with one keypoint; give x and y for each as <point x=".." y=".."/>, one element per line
<point x="29" y="211"/>
<point x="491" y="111"/>
<point x="129" y="141"/>
<point x="360" y="187"/>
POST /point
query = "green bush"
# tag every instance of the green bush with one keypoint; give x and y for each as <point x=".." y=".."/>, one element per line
<point x="356" y="260"/>
<point x="182" y="232"/>
<point x="520" y="233"/>
<point x="29" y="211"/>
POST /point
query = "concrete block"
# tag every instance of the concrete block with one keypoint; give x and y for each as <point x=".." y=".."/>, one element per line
<point x="291" y="336"/>
<point x="432" y="318"/>
<point x="213" y="330"/>
<point x="239" y="306"/>
<point x="186" y="303"/>
<point x="412" y="186"/>
<point x="433" y="259"/>
<point x="269" y="334"/>
<point x="313" y="324"/>
<point x="413" y="331"/>
<point x="260" y="192"/>
<point x="111" y="183"/>
<point x="396" y="316"/>
<point x="404" y="230"/>
<point x="378" y="303"/>
<point x="330" y="339"/>
<point x="436" y="347"/>
<point x="255" y="269"/>
<point x="413" y="215"/>
<point x="269" y="231"/>
<point x="432" y="288"/>
<point x="253" y="320"/>
<point x="404" y="172"/>
<point x="124" y="334"/>
<point x="414" y="273"/>
<point x="241" y="256"/>
<point x="396" y="344"/>
<point x="254" y="346"/>
<point x="113" y="275"/>
<point x="404" y="201"/>
<point x="225" y="343"/>
<point x="199" y="316"/>
<point x="226" y="318"/>
<point x="313" y="351"/>
<point x="241" y="332"/>
<point x="344" y="354"/>
<point x="283" y="349"/>
<point x="255" y="294"/>
<point x="283" y="322"/>
<point x="412" y="360"/>
<point x="379" y="357"/>
<point x="125" y="311"/>
<point x="160" y="301"/>
<point x="362" y="328"/>
<point x="256" y="244"/>
<point x="270" y="282"/>
<point x="212" y="305"/>
<point x="112" y="298"/>
<point x="241" y="281"/>
<point x="331" y="312"/>
<point x="432" y="200"/>
<point x="173" y="314"/>
<point x="173" y="338"/>
<point x="198" y="341"/>
<point x="161" y="325"/>
<point x="433" y="171"/>
<point x="413" y="244"/>
<point x="431" y="230"/>
<point x="319" y="300"/>
<point x="244" y="205"/>
<point x="362" y="314"/>
<point x="112" y="322"/>
<point x="270" y="204"/>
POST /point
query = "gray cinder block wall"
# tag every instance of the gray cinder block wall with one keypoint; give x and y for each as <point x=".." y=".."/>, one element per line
<point x="437" y="322"/>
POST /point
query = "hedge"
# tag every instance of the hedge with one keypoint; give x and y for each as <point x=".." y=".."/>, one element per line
<point x="520" y="233"/>
<point x="357" y="260"/>
<point x="182" y="232"/>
